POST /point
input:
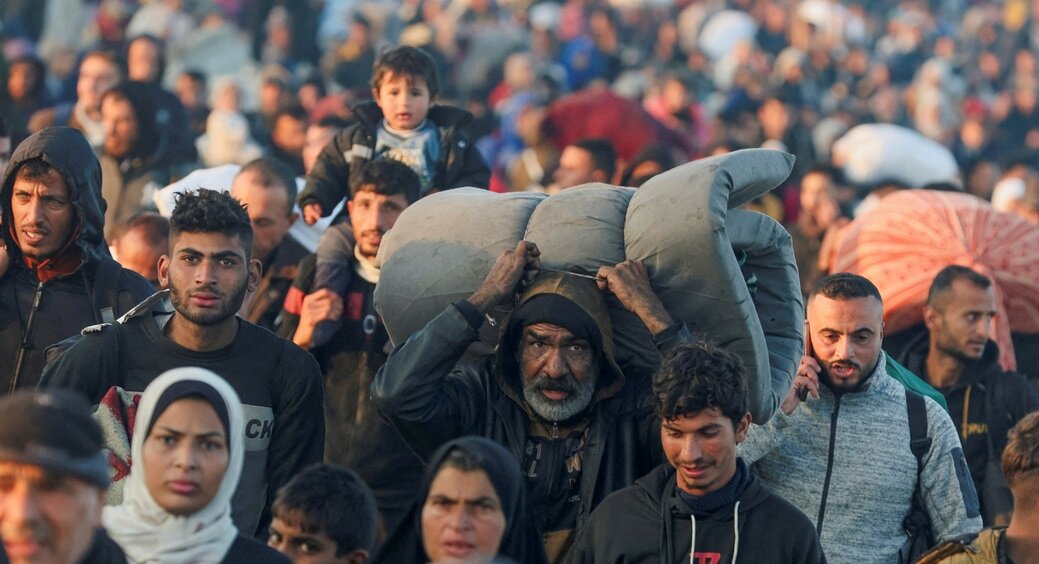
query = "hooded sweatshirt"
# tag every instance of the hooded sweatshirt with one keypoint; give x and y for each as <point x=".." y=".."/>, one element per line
<point x="649" y="522"/>
<point x="46" y="302"/>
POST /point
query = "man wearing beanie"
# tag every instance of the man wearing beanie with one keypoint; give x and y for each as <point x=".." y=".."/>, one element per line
<point x="53" y="477"/>
<point x="579" y="427"/>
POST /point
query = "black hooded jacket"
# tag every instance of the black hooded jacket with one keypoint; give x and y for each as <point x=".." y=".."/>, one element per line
<point x="35" y="314"/>
<point x="649" y="523"/>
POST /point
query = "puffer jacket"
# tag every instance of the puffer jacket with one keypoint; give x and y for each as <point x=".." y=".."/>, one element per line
<point x="329" y="182"/>
<point x="38" y="309"/>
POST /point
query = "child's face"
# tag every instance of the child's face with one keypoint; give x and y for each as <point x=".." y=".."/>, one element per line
<point x="303" y="547"/>
<point x="404" y="100"/>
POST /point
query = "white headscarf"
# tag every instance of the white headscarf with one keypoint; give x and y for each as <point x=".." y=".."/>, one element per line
<point x="147" y="532"/>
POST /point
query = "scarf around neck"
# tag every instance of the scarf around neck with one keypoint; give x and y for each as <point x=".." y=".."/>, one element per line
<point x="146" y="532"/>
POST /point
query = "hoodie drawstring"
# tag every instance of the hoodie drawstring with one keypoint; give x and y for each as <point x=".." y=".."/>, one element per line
<point x="692" y="541"/>
<point x="735" y="531"/>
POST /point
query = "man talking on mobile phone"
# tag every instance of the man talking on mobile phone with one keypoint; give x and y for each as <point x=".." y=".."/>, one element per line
<point x="843" y="454"/>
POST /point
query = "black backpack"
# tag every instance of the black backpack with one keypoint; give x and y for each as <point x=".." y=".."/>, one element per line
<point x="917" y="524"/>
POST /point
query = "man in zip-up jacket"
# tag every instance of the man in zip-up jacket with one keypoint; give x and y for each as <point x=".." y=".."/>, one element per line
<point x="703" y="505"/>
<point x="844" y="457"/>
<point x="61" y="276"/>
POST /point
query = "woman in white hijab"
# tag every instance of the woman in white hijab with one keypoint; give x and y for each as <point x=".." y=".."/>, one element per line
<point x="187" y="451"/>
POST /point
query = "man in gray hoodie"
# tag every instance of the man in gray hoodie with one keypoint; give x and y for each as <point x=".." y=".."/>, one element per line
<point x="844" y="457"/>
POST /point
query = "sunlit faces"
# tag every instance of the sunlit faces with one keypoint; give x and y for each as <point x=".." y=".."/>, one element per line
<point x="96" y="75"/>
<point x="121" y="126"/>
<point x="846" y="336"/>
<point x="462" y="518"/>
<point x="43" y="214"/>
<point x="576" y="167"/>
<point x="305" y="546"/>
<point x="702" y="448"/>
<point x="559" y="371"/>
<point x="269" y="209"/>
<point x="185" y="456"/>
<point x="44" y="517"/>
<point x="208" y="275"/>
<point x="404" y="100"/>
<point x="316" y="138"/>
<point x="371" y="216"/>
<point x="961" y="321"/>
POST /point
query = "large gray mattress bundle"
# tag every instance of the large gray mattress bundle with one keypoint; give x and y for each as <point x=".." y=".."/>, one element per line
<point x="728" y="274"/>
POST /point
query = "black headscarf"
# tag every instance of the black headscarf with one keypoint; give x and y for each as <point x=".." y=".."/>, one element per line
<point x="521" y="541"/>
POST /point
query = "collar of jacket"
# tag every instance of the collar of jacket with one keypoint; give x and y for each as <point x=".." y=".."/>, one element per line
<point x="65" y="262"/>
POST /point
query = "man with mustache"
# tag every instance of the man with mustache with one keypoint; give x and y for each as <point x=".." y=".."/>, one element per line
<point x="957" y="356"/>
<point x="208" y="270"/>
<point x="579" y="426"/>
<point x="843" y="457"/>
<point x="330" y="311"/>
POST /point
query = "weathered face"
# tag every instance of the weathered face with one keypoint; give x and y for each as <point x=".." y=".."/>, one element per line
<point x="269" y="209"/>
<point x="462" y="519"/>
<point x="121" y="126"/>
<point x="576" y="167"/>
<point x="185" y="456"/>
<point x="371" y="216"/>
<point x="961" y="321"/>
<point x="404" y="101"/>
<point x="45" y="517"/>
<point x="559" y="371"/>
<point x="702" y="448"/>
<point x="846" y="337"/>
<point x="208" y="275"/>
<point x="43" y="214"/>
<point x="305" y="546"/>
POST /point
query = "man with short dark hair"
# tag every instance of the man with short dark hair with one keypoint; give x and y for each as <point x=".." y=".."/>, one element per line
<point x="53" y="478"/>
<point x="325" y="515"/>
<point x="61" y="276"/>
<point x="579" y="426"/>
<point x="208" y="270"/>
<point x="958" y="357"/>
<point x="141" y="242"/>
<point x="584" y="161"/>
<point x="330" y="311"/>
<point x="267" y="188"/>
<point x="703" y="502"/>
<point x="845" y="458"/>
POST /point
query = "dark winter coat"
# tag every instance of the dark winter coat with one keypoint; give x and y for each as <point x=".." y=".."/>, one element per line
<point x="329" y="182"/>
<point x="38" y="314"/>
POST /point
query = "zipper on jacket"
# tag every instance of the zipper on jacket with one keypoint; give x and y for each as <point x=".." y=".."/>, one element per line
<point x="555" y="430"/>
<point x="829" y="467"/>
<point x="26" y="337"/>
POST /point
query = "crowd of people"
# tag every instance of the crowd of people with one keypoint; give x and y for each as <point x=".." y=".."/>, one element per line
<point x="196" y="371"/>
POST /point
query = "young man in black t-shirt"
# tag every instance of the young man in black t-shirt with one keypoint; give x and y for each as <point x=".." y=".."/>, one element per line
<point x="208" y="271"/>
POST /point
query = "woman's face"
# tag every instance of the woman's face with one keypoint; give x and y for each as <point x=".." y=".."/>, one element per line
<point x="462" y="519"/>
<point x="185" y="456"/>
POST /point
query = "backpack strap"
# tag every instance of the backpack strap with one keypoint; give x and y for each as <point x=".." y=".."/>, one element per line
<point x="919" y="442"/>
<point x="105" y="291"/>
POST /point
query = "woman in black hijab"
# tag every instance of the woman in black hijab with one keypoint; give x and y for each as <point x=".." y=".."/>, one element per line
<point x="472" y="508"/>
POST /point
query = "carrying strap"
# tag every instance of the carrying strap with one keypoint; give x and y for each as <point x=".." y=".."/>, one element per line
<point x="919" y="442"/>
<point x="105" y="291"/>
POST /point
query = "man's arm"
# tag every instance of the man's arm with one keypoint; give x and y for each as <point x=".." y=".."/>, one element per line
<point x="948" y="490"/>
<point x="420" y="388"/>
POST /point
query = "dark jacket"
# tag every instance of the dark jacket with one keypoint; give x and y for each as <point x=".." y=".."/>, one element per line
<point x="983" y="385"/>
<point x="462" y="165"/>
<point x="649" y="523"/>
<point x="39" y="314"/>
<point x="432" y="397"/>
<point x="279" y="271"/>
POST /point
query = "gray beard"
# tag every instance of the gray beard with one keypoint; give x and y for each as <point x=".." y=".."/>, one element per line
<point x="579" y="399"/>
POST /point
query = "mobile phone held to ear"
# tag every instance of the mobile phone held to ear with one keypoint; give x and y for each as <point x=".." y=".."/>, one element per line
<point x="802" y="394"/>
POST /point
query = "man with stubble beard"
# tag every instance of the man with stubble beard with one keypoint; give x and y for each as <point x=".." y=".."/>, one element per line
<point x="208" y="271"/>
<point x="843" y="457"/>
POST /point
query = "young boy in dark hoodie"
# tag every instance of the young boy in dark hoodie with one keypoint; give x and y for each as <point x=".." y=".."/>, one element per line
<point x="703" y="506"/>
<point x="400" y="124"/>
